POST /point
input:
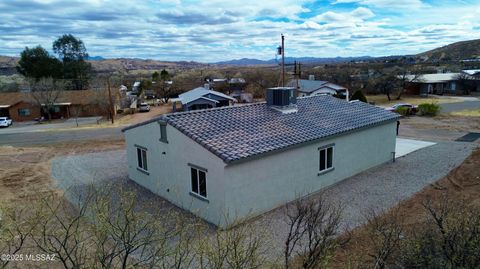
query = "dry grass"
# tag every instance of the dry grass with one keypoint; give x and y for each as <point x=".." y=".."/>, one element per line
<point x="382" y="100"/>
<point x="467" y="113"/>
<point x="462" y="182"/>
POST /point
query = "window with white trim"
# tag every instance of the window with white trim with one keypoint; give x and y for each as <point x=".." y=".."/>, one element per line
<point x="142" y="158"/>
<point x="326" y="158"/>
<point x="199" y="181"/>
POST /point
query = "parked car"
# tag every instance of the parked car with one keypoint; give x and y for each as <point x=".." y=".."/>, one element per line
<point x="5" y="122"/>
<point x="412" y="109"/>
<point x="143" y="107"/>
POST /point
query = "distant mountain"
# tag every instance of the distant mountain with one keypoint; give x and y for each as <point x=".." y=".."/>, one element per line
<point x="288" y="60"/>
<point x="95" y="58"/>
<point x="456" y="51"/>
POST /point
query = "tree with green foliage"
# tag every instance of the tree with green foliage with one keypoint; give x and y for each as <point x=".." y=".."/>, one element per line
<point x="73" y="54"/>
<point x="164" y="75"/>
<point x="358" y="95"/>
<point x="155" y="76"/>
<point x="37" y="63"/>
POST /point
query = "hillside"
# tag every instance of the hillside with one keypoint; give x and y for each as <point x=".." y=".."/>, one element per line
<point x="7" y="65"/>
<point x="455" y="51"/>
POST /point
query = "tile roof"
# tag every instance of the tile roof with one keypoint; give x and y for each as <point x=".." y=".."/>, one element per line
<point x="239" y="132"/>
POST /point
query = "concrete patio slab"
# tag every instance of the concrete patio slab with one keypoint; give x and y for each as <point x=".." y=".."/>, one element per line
<point x="405" y="146"/>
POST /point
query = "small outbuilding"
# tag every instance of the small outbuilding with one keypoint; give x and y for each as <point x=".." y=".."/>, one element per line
<point x="231" y="163"/>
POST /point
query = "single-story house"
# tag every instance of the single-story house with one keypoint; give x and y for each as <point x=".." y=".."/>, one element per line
<point x="441" y="83"/>
<point x="201" y="98"/>
<point x="231" y="163"/>
<point x="307" y="87"/>
<point x="21" y="106"/>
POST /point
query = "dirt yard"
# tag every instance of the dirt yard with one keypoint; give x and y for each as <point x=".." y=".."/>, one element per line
<point x="26" y="171"/>
<point x="444" y="127"/>
<point x="382" y="100"/>
<point x="461" y="183"/>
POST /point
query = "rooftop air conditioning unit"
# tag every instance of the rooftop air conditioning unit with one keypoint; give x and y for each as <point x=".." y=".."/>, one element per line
<point x="283" y="99"/>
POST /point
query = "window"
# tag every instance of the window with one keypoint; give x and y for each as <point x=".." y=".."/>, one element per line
<point x="142" y="158"/>
<point x="199" y="181"/>
<point x="326" y="158"/>
<point x="163" y="131"/>
<point x="24" y="112"/>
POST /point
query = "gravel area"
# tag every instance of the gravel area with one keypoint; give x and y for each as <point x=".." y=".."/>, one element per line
<point x="382" y="187"/>
<point x="378" y="188"/>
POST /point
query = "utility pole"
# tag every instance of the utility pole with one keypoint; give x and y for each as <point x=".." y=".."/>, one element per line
<point x="283" y="61"/>
<point x="112" y="116"/>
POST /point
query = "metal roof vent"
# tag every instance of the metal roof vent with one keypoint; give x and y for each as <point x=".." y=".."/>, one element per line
<point x="283" y="99"/>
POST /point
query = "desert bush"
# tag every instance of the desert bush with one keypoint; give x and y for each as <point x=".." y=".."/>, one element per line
<point x="358" y="95"/>
<point x="428" y="109"/>
<point x="404" y="111"/>
<point x="449" y="239"/>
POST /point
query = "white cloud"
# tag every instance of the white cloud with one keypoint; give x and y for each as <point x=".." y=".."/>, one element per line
<point x="405" y="4"/>
<point x="215" y="30"/>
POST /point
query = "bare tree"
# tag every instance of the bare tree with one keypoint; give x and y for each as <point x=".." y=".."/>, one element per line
<point x="239" y="247"/>
<point x="62" y="229"/>
<point x="404" y="77"/>
<point x="126" y="236"/>
<point x="466" y="83"/>
<point x="46" y="92"/>
<point x="104" y="97"/>
<point x="314" y="226"/>
<point x="15" y="229"/>
<point x="385" y="233"/>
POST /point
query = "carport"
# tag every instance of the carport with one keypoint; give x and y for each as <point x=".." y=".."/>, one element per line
<point x="405" y="146"/>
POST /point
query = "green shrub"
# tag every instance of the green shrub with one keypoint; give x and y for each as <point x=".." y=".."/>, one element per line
<point x="404" y="111"/>
<point x="358" y="95"/>
<point x="428" y="109"/>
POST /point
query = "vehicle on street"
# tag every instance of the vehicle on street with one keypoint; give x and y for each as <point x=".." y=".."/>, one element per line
<point x="412" y="109"/>
<point x="5" y="122"/>
<point x="144" y="107"/>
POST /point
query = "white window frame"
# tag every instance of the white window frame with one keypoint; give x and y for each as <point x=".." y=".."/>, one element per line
<point x="324" y="150"/>
<point x="198" y="193"/>
<point x="142" y="159"/>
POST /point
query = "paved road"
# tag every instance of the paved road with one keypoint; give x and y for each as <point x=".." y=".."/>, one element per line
<point x="31" y="126"/>
<point x="52" y="137"/>
<point x="451" y="107"/>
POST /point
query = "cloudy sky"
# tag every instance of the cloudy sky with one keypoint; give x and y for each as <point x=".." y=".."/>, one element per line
<point x="215" y="30"/>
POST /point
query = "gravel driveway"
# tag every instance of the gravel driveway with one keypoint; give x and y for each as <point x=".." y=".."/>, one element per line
<point x="378" y="188"/>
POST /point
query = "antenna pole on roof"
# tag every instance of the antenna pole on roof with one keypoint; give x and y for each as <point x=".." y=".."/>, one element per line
<point x="283" y="61"/>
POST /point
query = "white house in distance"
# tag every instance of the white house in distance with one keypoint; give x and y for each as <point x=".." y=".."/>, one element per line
<point x="310" y="86"/>
<point x="231" y="163"/>
<point x="201" y="98"/>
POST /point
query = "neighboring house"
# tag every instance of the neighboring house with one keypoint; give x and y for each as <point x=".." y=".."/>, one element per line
<point x="439" y="83"/>
<point x="231" y="163"/>
<point x="202" y="98"/>
<point x="20" y="106"/>
<point x="136" y="86"/>
<point x="307" y="87"/>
